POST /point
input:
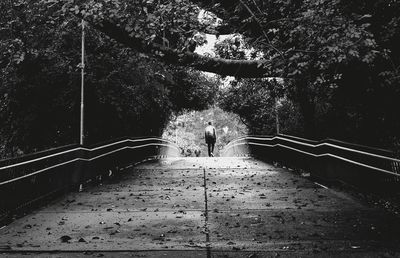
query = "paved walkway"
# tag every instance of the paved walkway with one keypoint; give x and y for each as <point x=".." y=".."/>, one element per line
<point x="204" y="207"/>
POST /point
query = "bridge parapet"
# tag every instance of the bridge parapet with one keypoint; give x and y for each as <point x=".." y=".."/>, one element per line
<point x="28" y="179"/>
<point x="329" y="160"/>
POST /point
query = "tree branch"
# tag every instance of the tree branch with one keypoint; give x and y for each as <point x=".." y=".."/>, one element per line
<point x="218" y="30"/>
<point x="225" y="67"/>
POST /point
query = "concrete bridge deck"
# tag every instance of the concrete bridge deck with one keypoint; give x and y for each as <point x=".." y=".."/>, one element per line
<point x="204" y="207"/>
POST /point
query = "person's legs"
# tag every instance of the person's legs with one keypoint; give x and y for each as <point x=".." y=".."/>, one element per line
<point x="212" y="148"/>
<point x="209" y="148"/>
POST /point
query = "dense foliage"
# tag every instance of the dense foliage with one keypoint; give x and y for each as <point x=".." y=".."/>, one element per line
<point x="127" y="94"/>
<point x="258" y="102"/>
<point x="339" y="60"/>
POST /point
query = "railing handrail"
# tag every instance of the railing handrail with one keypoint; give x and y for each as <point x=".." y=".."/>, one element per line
<point x="336" y="141"/>
<point x="80" y="159"/>
<point x="52" y="172"/>
<point x="325" y="154"/>
<point x="32" y="155"/>
<point x="281" y="141"/>
<point x="327" y="140"/>
<point x="84" y="149"/>
<point x="313" y="146"/>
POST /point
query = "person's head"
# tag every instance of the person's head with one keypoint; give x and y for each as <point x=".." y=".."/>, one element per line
<point x="209" y="123"/>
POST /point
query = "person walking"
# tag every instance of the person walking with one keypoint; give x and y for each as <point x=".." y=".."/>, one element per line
<point x="210" y="137"/>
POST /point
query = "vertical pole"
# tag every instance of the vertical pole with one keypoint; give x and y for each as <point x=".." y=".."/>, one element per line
<point x="276" y="115"/>
<point x="82" y="131"/>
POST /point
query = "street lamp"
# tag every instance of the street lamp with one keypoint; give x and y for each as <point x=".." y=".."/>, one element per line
<point x="82" y="128"/>
<point x="277" y="114"/>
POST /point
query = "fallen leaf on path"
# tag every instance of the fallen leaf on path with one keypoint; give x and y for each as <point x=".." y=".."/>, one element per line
<point x="65" y="239"/>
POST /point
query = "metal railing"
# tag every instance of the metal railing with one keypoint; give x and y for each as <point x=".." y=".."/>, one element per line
<point x="29" y="178"/>
<point x="328" y="159"/>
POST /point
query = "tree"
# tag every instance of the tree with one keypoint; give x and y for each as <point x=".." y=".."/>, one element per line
<point x="306" y="42"/>
<point x="161" y="28"/>
<point x="315" y="46"/>
<point x="193" y="90"/>
<point x="257" y="102"/>
<point x="127" y="94"/>
<point x="339" y="59"/>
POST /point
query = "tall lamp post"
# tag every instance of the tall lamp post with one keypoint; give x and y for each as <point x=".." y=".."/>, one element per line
<point x="277" y="115"/>
<point x="82" y="128"/>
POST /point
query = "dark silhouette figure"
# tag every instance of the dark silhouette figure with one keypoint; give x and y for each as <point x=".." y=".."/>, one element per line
<point x="211" y="137"/>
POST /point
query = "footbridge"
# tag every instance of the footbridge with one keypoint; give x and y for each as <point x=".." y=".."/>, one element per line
<point x="266" y="196"/>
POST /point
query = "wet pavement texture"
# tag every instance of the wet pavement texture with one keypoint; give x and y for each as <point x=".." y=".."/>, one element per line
<point x="204" y="207"/>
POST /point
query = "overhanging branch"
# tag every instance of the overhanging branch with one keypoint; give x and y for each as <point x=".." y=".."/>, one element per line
<point x="218" y="30"/>
<point x="225" y="67"/>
